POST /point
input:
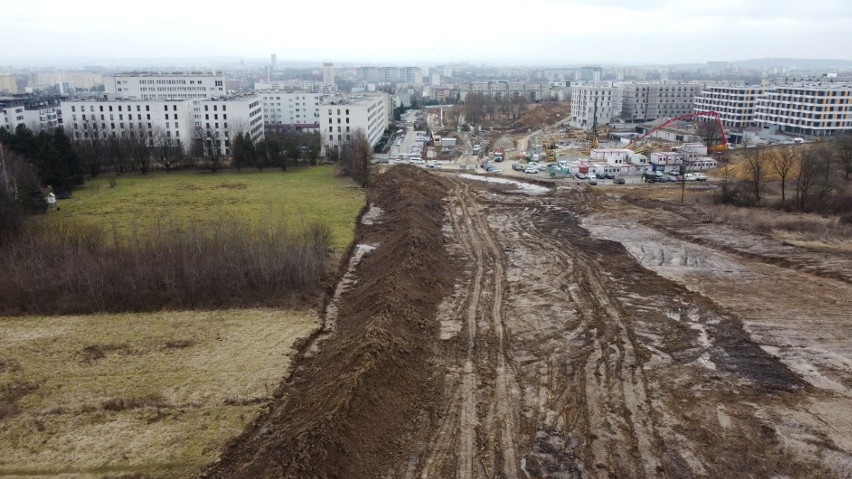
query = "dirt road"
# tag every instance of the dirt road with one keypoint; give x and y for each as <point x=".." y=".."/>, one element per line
<point x="584" y="336"/>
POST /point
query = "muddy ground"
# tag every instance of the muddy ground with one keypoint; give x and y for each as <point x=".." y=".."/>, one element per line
<point x="488" y="331"/>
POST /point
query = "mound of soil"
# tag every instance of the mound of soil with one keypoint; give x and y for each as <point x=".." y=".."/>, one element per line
<point x="351" y="410"/>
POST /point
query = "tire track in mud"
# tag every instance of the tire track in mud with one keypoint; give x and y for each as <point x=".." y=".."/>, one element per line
<point x="482" y="414"/>
<point x="615" y="406"/>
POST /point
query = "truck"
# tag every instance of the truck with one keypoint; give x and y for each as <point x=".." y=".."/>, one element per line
<point x="498" y="155"/>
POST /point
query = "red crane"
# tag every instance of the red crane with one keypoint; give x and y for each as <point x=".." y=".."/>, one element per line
<point x="721" y="147"/>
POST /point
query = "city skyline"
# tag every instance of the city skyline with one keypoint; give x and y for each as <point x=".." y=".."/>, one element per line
<point x="550" y="32"/>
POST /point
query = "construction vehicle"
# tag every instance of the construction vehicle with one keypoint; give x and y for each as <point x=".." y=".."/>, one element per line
<point x="722" y="146"/>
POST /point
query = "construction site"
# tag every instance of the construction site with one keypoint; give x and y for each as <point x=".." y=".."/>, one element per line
<point x="490" y="327"/>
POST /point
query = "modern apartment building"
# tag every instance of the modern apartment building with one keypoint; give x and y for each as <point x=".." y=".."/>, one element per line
<point x="808" y="109"/>
<point x="341" y="117"/>
<point x="291" y="110"/>
<point x="735" y="104"/>
<point x="166" y="86"/>
<point x="594" y="102"/>
<point x="647" y="101"/>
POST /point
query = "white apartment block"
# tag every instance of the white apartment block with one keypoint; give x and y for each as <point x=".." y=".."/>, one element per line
<point x="103" y="118"/>
<point x="285" y="85"/>
<point x="808" y="109"/>
<point x="291" y="110"/>
<point x="166" y="86"/>
<point x="11" y="115"/>
<point x="36" y="113"/>
<point x="590" y="101"/>
<point x="220" y="119"/>
<point x="735" y="104"/>
<point x="340" y="118"/>
<point x="647" y="101"/>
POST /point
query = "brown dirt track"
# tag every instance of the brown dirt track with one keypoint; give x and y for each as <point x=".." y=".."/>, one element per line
<point x="570" y="334"/>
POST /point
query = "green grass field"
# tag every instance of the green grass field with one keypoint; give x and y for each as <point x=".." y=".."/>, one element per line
<point x="299" y="196"/>
<point x="149" y="395"/>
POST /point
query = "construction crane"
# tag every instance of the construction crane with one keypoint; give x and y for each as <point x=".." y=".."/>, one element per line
<point x="723" y="146"/>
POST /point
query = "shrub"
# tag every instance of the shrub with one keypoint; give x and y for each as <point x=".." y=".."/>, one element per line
<point x="72" y="269"/>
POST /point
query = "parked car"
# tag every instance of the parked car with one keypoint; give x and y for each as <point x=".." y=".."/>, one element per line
<point x="417" y="161"/>
<point x="531" y="170"/>
<point x="463" y="166"/>
<point x="700" y="177"/>
<point x="518" y="166"/>
<point x="593" y="181"/>
<point x="689" y="177"/>
<point x="609" y="176"/>
<point x="581" y="176"/>
<point x="667" y="179"/>
<point x="432" y="164"/>
<point x="618" y="181"/>
<point x="600" y="175"/>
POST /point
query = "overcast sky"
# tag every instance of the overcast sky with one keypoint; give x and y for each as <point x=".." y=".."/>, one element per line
<point x="400" y="32"/>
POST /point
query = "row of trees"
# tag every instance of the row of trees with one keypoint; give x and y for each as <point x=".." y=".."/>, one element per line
<point x="815" y="172"/>
<point x="479" y="106"/>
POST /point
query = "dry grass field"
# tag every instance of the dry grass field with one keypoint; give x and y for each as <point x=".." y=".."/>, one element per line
<point x="136" y="395"/>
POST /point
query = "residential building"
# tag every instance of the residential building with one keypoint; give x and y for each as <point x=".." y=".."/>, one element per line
<point x="36" y="112"/>
<point x="306" y="85"/>
<point x="817" y="109"/>
<point x="79" y="80"/>
<point x="735" y="104"/>
<point x="104" y="117"/>
<point x="646" y="101"/>
<point x="341" y="117"/>
<point x="594" y="103"/>
<point x="166" y="86"/>
<point x="11" y="114"/>
<point x="8" y="83"/>
<point x="221" y="118"/>
<point x="328" y="74"/>
<point x="291" y="110"/>
<point x="390" y="75"/>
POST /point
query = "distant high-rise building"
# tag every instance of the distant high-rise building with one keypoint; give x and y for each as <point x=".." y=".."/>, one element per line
<point x="328" y="74"/>
<point x="594" y="74"/>
<point x="8" y="83"/>
<point x="274" y="62"/>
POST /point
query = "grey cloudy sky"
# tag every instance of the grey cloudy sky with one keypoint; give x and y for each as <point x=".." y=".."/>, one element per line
<point x="510" y="32"/>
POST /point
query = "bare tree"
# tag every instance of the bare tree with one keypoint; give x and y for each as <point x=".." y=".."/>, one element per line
<point x="207" y="147"/>
<point x="92" y="149"/>
<point x="783" y="160"/>
<point x="843" y="147"/>
<point x="756" y="164"/>
<point x="138" y="144"/>
<point x="167" y="151"/>
<point x="807" y="171"/>
<point x="355" y="158"/>
<point x="826" y="174"/>
<point x="118" y="154"/>
<point x="709" y="132"/>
